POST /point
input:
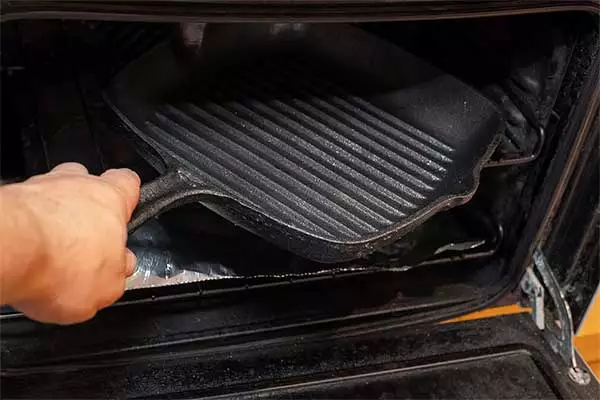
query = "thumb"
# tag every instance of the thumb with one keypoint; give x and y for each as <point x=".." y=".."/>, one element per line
<point x="128" y="183"/>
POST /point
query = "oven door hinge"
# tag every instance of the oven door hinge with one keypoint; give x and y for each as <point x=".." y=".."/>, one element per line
<point x="553" y="319"/>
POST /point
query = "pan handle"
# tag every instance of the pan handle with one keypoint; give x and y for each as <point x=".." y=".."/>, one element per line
<point x="167" y="191"/>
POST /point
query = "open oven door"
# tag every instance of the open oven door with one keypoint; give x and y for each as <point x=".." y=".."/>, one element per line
<point x="500" y="357"/>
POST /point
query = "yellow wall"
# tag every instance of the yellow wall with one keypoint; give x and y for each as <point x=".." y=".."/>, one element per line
<point x="587" y="340"/>
<point x="588" y="337"/>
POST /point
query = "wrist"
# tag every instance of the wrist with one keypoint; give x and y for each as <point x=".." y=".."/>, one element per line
<point x="22" y="245"/>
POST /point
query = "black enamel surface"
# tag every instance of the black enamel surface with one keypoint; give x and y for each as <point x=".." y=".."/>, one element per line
<point x="501" y="357"/>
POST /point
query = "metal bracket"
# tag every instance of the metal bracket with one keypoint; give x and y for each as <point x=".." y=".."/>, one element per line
<point x="535" y="291"/>
<point x="560" y="332"/>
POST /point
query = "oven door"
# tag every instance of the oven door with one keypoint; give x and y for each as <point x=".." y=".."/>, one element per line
<point x="501" y="357"/>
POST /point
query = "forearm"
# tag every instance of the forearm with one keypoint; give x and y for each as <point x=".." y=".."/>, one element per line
<point x="21" y="243"/>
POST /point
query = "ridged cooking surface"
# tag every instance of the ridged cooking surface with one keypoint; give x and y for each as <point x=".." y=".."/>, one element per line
<point x="305" y="152"/>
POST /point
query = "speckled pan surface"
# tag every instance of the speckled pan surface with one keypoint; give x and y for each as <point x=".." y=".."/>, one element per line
<point x="321" y="138"/>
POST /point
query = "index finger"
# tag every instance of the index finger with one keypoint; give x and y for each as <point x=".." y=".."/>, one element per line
<point x="128" y="183"/>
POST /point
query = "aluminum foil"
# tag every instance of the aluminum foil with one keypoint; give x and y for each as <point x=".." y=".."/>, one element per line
<point x="159" y="266"/>
<point x="168" y="254"/>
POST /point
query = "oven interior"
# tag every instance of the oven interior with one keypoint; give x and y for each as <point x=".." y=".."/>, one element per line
<point x="196" y="265"/>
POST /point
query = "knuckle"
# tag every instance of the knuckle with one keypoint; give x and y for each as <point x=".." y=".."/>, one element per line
<point x="118" y="200"/>
<point x="75" y="314"/>
<point x="70" y="167"/>
<point x="129" y="177"/>
<point x="114" y="193"/>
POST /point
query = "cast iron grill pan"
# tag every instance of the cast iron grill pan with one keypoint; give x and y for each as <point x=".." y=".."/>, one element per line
<point x="327" y="158"/>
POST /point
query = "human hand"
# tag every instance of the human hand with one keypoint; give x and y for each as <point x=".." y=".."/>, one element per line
<point x="77" y="226"/>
